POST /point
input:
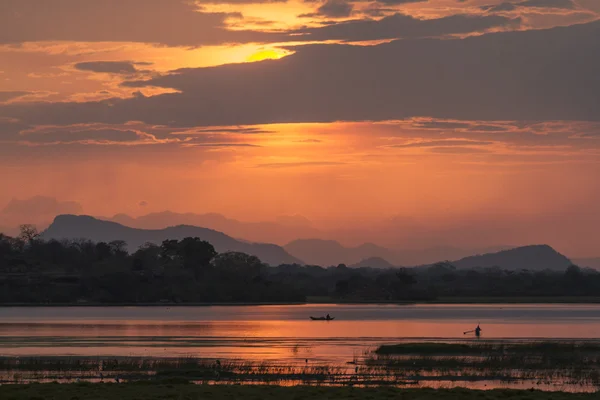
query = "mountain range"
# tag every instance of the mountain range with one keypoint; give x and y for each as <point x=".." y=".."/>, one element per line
<point x="331" y="252"/>
<point x="86" y="227"/>
<point x="283" y="230"/>
<point x="312" y="251"/>
<point x="299" y="238"/>
<point x="533" y="258"/>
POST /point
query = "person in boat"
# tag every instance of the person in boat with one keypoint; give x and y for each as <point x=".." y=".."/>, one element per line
<point x="478" y="331"/>
<point x="327" y="317"/>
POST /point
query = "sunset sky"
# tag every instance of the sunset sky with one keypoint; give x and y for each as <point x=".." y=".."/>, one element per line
<point x="480" y="117"/>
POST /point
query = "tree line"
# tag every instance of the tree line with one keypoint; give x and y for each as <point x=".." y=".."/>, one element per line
<point x="34" y="270"/>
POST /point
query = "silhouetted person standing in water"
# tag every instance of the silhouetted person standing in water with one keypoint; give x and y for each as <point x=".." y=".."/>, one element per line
<point x="478" y="331"/>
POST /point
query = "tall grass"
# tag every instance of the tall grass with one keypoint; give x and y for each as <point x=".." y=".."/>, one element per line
<point x="572" y="363"/>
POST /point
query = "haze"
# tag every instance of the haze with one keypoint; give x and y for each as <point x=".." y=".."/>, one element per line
<point x="405" y="123"/>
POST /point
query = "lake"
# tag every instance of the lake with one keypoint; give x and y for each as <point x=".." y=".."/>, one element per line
<point x="276" y="333"/>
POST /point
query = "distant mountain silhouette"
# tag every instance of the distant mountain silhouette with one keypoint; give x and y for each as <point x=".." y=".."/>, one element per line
<point x="533" y="258"/>
<point x="77" y="227"/>
<point x="588" y="262"/>
<point x="330" y="252"/>
<point x="285" y="229"/>
<point x="373" y="262"/>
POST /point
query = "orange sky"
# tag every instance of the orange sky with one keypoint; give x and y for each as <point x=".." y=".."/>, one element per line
<point x="438" y="111"/>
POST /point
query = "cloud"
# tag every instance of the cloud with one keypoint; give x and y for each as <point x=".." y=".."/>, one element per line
<point x="308" y="141"/>
<point x="333" y="9"/>
<point x="441" y="124"/>
<point x="459" y="150"/>
<point x="168" y="22"/>
<point x="111" y="67"/>
<point x="459" y="126"/>
<point x="398" y="2"/>
<point x="300" y="164"/>
<point x="243" y="130"/>
<point x="404" y="26"/>
<point x="508" y="6"/>
<point x="500" y="7"/>
<point x="83" y="136"/>
<point x="442" y="143"/>
<point x="242" y="1"/>
<point x="528" y="75"/>
<point x="6" y="96"/>
<point x="569" y="4"/>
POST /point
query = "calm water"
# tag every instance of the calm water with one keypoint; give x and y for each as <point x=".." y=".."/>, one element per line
<point x="276" y="333"/>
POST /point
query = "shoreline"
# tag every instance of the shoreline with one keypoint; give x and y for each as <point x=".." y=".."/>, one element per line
<point x="126" y="391"/>
<point x="441" y="301"/>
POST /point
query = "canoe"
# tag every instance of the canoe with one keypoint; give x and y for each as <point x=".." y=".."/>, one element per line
<point x="322" y="319"/>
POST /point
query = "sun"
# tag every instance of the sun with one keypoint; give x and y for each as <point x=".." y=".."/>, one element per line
<point x="268" y="54"/>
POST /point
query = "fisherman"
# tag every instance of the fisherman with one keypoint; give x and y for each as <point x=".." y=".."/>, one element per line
<point x="478" y="331"/>
<point x="328" y="317"/>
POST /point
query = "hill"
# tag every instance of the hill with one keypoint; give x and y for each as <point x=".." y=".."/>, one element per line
<point x="86" y="227"/>
<point x="533" y="258"/>
<point x="330" y="252"/>
<point x="373" y="262"/>
<point x="285" y="229"/>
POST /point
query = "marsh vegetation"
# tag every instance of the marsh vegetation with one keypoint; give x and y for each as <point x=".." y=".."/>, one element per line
<point x="572" y="366"/>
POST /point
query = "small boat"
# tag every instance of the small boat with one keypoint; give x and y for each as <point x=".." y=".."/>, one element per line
<point x="322" y="318"/>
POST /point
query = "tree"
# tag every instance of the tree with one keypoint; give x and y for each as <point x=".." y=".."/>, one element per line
<point x="195" y="253"/>
<point x="146" y="257"/>
<point x="103" y="251"/>
<point x="405" y="277"/>
<point x="239" y="265"/>
<point x="342" y="287"/>
<point x="28" y="233"/>
<point x="573" y="274"/>
<point x="168" y="249"/>
<point x="118" y="247"/>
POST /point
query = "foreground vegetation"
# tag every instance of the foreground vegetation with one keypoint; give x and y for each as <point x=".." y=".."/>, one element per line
<point x="575" y="365"/>
<point x="217" y="392"/>
<point x="189" y="271"/>
<point x="551" y="348"/>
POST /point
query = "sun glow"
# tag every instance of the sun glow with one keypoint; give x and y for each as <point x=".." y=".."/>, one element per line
<point x="268" y="54"/>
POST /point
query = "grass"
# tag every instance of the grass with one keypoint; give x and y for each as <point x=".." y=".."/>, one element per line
<point x="487" y="348"/>
<point x="575" y="363"/>
<point x="138" y="391"/>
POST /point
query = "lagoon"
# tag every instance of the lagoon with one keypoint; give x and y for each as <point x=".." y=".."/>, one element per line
<point x="279" y="334"/>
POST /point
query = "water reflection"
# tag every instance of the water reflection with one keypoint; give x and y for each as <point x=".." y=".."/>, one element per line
<point x="277" y="333"/>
